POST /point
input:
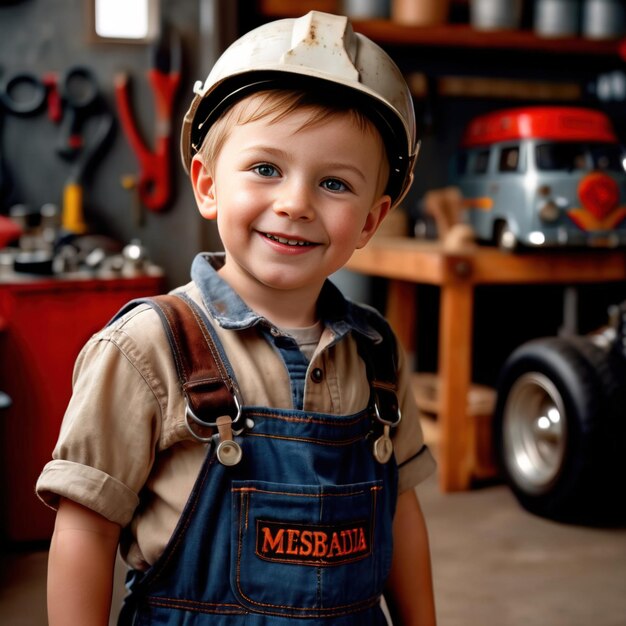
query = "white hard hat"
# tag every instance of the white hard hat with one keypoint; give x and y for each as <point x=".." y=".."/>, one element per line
<point x="307" y="53"/>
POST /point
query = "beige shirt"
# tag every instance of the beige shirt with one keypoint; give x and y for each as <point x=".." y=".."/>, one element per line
<point x="124" y="450"/>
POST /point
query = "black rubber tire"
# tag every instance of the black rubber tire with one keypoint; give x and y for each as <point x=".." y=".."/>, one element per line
<point x="583" y="479"/>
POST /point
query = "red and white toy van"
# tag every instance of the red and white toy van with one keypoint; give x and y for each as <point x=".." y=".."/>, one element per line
<point x="543" y="177"/>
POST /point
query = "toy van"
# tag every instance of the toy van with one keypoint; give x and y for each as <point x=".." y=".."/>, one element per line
<point x="543" y="177"/>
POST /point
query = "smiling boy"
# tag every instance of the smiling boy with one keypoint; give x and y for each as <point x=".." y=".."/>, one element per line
<point x="298" y="156"/>
<point x="296" y="197"/>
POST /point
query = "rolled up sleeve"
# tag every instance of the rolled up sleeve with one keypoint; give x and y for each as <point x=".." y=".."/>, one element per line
<point x="109" y="433"/>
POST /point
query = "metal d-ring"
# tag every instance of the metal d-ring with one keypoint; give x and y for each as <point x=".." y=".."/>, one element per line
<point x="189" y="413"/>
<point x="382" y="420"/>
<point x="382" y="448"/>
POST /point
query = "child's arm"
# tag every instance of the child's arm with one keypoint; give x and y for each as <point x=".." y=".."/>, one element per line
<point x="409" y="592"/>
<point x="80" y="567"/>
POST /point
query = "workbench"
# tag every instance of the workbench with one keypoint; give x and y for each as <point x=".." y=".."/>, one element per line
<point x="408" y="262"/>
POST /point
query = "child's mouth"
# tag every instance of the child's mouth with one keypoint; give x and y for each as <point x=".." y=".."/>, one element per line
<point x="288" y="242"/>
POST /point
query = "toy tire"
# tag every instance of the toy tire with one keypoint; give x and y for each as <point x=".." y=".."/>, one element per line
<point x="559" y="429"/>
<point x="505" y="238"/>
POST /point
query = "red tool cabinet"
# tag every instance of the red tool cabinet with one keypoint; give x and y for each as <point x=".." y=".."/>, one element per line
<point x="43" y="325"/>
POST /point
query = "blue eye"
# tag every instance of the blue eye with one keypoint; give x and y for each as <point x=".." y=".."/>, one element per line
<point x="266" y="170"/>
<point x="332" y="184"/>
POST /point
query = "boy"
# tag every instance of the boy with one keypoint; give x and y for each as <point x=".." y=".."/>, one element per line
<point x="299" y="157"/>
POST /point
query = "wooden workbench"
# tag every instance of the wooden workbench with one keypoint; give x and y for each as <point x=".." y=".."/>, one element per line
<point x="406" y="262"/>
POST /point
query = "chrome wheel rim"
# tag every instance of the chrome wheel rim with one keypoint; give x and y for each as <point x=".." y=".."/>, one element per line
<point x="534" y="432"/>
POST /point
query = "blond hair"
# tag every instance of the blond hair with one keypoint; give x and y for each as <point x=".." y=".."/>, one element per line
<point x="276" y="104"/>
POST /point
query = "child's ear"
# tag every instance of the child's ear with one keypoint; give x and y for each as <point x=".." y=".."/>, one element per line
<point x="374" y="219"/>
<point x="203" y="188"/>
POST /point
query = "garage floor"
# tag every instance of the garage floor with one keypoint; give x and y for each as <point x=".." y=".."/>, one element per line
<point x="493" y="564"/>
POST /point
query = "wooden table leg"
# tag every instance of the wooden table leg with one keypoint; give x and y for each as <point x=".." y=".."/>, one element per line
<point x="455" y="363"/>
<point x="401" y="313"/>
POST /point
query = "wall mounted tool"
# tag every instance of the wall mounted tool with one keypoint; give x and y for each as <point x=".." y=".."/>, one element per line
<point x="86" y="127"/>
<point x="154" y="182"/>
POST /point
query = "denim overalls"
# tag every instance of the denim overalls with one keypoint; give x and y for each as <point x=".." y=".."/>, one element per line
<point x="298" y="532"/>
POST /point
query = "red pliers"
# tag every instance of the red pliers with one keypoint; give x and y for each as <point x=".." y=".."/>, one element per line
<point x="154" y="184"/>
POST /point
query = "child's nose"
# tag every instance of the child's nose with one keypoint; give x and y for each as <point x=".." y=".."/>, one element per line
<point x="295" y="201"/>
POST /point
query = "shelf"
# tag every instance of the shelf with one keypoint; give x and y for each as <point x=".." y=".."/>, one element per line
<point x="386" y="32"/>
<point x="412" y="260"/>
<point x="450" y="35"/>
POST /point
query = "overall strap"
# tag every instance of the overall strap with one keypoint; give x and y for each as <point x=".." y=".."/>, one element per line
<point x="209" y="390"/>
<point x="382" y="372"/>
<point x="381" y="363"/>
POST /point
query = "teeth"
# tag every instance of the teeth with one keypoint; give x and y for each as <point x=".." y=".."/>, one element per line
<point x="288" y="242"/>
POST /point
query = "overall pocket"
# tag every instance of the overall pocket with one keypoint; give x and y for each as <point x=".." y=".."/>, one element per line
<point x="309" y="550"/>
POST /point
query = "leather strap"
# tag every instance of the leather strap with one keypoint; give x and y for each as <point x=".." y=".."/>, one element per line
<point x="381" y="366"/>
<point x="206" y="384"/>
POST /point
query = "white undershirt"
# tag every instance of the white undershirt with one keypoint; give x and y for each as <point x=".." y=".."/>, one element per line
<point x="307" y="337"/>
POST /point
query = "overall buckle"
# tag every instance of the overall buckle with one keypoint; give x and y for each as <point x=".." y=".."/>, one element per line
<point x="386" y="413"/>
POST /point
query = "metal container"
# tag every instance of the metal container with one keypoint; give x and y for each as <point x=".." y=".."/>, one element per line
<point x="603" y="19"/>
<point x="495" y="14"/>
<point x="365" y="9"/>
<point x="419" y="12"/>
<point x="557" y="18"/>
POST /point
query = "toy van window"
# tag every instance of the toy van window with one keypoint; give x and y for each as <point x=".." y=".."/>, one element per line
<point x="562" y="157"/>
<point x="509" y="159"/>
<point x="480" y="162"/>
<point x="607" y="157"/>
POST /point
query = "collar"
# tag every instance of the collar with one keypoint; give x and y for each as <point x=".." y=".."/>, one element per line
<point x="336" y="312"/>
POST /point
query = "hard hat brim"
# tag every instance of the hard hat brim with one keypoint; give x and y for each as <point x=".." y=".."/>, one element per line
<point x="206" y="110"/>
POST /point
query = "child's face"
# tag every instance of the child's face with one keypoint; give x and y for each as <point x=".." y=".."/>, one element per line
<point x="292" y="201"/>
